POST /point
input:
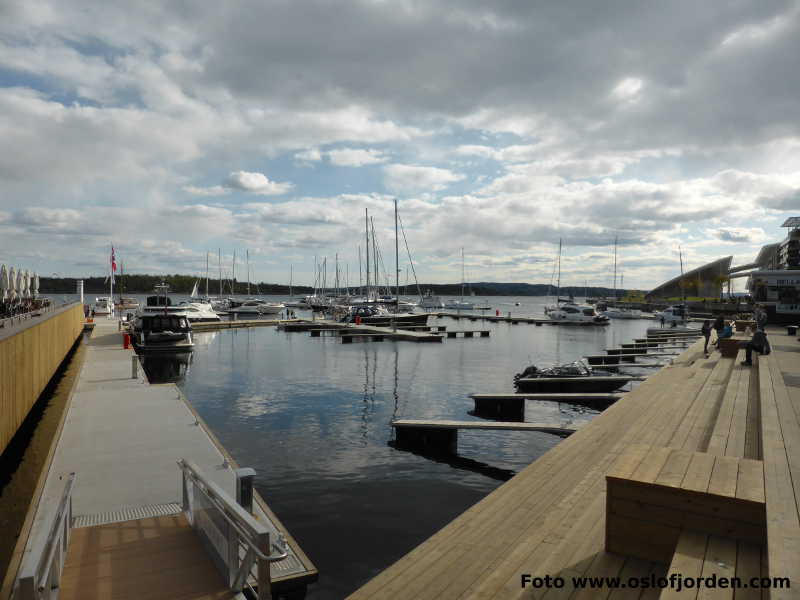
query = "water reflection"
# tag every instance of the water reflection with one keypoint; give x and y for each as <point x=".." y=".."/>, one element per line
<point x="166" y="367"/>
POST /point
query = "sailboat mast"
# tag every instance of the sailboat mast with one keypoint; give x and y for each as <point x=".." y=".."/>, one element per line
<point x="558" y="280"/>
<point x="462" y="273"/>
<point x="233" y="273"/>
<point x="366" y="235"/>
<point x="248" y="270"/>
<point x="376" y="277"/>
<point x="615" y="267"/>
<point x="291" y="267"/>
<point x="206" y="273"/>
<point x="360" y="276"/>
<point x="219" y="263"/>
<point x="337" y="273"/>
<point x="683" y="288"/>
<point x="396" y="259"/>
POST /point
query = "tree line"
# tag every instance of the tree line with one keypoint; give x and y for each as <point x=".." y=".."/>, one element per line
<point x="183" y="284"/>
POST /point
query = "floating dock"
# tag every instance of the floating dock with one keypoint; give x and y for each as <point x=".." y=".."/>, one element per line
<point x="442" y="436"/>
<point x="692" y="474"/>
<point x="128" y="518"/>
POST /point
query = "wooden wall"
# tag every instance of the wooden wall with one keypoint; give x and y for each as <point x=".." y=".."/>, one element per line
<point x="30" y="353"/>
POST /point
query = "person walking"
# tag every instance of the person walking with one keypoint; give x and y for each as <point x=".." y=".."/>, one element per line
<point x="706" y="331"/>
<point x="759" y="343"/>
<point x="719" y="325"/>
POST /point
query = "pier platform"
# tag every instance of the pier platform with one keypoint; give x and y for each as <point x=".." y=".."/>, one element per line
<point x="121" y="438"/>
<point x="695" y="473"/>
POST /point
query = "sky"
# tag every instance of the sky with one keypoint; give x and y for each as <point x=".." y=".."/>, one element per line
<point x="177" y="130"/>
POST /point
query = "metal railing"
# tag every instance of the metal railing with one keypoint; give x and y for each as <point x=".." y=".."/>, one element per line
<point x="40" y="574"/>
<point x="235" y="540"/>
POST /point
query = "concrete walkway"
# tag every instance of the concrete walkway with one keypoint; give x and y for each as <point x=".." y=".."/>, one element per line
<point x="122" y="437"/>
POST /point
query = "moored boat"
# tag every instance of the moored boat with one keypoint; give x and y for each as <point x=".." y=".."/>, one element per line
<point x="575" y="377"/>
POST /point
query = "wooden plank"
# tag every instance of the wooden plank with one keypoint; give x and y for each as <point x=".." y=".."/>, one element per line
<point x="701" y="503"/>
<point x="490" y="425"/>
<point x="724" y="477"/>
<point x="698" y="474"/>
<point x="154" y="558"/>
<point x="674" y="469"/>
<point x="651" y="464"/>
<point x="687" y="561"/>
<point x="556" y="396"/>
<point x="748" y="565"/>
<point x="720" y="561"/>
<point x="750" y="482"/>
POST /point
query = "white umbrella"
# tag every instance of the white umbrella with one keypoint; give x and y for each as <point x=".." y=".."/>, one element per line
<point x="12" y="284"/>
<point x="22" y="283"/>
<point x="3" y="282"/>
<point x="36" y="284"/>
<point x="26" y="284"/>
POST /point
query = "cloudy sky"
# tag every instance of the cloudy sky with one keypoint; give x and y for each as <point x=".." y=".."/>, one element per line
<point x="173" y="129"/>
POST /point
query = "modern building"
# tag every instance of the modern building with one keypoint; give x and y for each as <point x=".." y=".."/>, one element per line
<point x="703" y="282"/>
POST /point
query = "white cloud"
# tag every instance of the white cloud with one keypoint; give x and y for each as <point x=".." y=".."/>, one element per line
<point x="214" y="190"/>
<point x="627" y="89"/>
<point x="310" y="155"/>
<point x="256" y="183"/>
<point x="356" y="157"/>
<point x="413" y="178"/>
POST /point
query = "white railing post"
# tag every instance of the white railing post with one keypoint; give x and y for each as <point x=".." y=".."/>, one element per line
<point x="134" y="366"/>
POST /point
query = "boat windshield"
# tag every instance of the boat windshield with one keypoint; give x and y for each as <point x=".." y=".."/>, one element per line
<point x="166" y="323"/>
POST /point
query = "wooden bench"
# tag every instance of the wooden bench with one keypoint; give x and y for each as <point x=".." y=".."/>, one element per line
<point x="672" y="490"/>
<point x="729" y="347"/>
<point x="780" y="433"/>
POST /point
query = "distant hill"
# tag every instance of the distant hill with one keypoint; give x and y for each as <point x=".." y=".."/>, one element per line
<point x="182" y="284"/>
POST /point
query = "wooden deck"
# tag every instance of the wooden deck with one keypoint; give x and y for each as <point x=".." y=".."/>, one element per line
<point x="695" y="424"/>
<point x="152" y="558"/>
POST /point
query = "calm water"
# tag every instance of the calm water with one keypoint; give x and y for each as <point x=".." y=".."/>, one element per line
<point x="312" y="417"/>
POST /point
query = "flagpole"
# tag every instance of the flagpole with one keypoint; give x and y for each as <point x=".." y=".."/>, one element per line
<point x="111" y="283"/>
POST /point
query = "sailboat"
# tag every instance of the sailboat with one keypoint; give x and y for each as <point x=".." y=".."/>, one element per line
<point x="616" y="312"/>
<point x="570" y="313"/>
<point x="460" y="304"/>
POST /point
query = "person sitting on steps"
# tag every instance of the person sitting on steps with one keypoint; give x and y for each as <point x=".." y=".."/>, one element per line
<point x="759" y="343"/>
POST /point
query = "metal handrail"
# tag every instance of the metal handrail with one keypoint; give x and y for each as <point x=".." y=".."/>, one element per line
<point x="39" y="579"/>
<point x="241" y="529"/>
<point x="222" y="502"/>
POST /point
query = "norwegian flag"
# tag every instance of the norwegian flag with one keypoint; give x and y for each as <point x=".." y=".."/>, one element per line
<point x="113" y="263"/>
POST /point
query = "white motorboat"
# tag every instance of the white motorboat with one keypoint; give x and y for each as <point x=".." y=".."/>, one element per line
<point x="254" y="306"/>
<point x="576" y="313"/>
<point x="622" y="313"/>
<point x="199" y="312"/>
<point x="674" y="314"/>
<point x="103" y="306"/>
<point x="161" y="327"/>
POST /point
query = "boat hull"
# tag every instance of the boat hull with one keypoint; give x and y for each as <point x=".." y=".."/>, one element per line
<point x="585" y="385"/>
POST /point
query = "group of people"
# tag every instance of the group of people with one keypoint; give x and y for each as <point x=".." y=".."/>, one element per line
<point x="724" y="329"/>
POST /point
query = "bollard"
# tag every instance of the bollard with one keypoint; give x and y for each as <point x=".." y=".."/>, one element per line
<point x="134" y="367"/>
<point x="509" y="314"/>
<point x="244" y="487"/>
<point x="126" y="340"/>
<point x="497" y="312"/>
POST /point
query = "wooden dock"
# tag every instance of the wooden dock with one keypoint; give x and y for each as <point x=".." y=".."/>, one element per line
<point x="349" y="331"/>
<point x="442" y="436"/>
<point x="610" y="500"/>
<point x="514" y="404"/>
